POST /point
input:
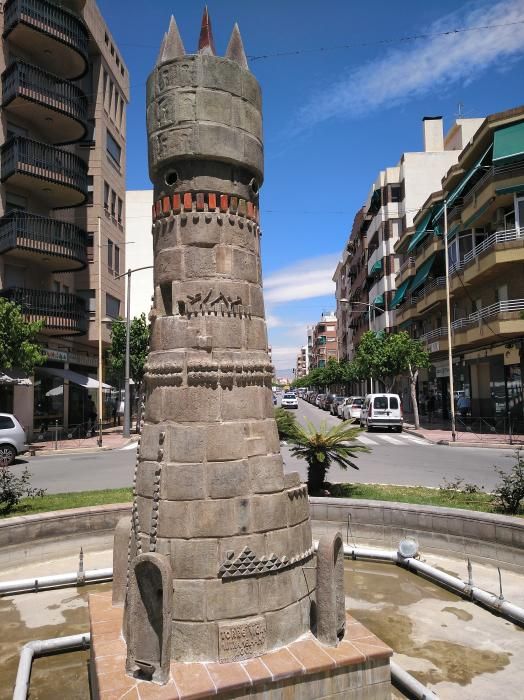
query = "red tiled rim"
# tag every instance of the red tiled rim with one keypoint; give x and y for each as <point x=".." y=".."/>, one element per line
<point x="204" y="201"/>
<point x="199" y="680"/>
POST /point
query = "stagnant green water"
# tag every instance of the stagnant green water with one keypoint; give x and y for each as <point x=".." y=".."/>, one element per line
<point x="450" y="644"/>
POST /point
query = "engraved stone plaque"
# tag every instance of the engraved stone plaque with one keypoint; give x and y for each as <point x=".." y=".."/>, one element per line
<point x="241" y="640"/>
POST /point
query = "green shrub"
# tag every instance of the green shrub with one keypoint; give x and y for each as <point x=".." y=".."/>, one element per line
<point x="14" y="488"/>
<point x="286" y="423"/>
<point x="509" y="492"/>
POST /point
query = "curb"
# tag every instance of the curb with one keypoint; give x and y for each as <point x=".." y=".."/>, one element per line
<point x="77" y="450"/>
<point x="450" y="443"/>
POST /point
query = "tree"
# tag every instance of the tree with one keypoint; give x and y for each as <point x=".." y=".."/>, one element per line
<point x="18" y="346"/>
<point x="321" y="447"/>
<point x="390" y="356"/>
<point x="138" y="350"/>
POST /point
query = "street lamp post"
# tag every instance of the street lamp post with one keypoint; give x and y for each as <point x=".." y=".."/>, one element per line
<point x="369" y="306"/>
<point x="448" y="312"/>
<point x="127" y="404"/>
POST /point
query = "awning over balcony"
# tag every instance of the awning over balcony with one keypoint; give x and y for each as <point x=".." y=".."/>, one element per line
<point x="75" y="377"/>
<point x="421" y="231"/>
<point x="399" y="295"/>
<point x="378" y="300"/>
<point x="377" y="266"/>
<point x="422" y="274"/>
<point x="462" y="184"/>
<point x="508" y="143"/>
<point x="510" y="189"/>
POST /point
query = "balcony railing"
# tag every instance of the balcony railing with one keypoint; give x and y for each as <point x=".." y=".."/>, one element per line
<point x="437" y="283"/>
<point x="494" y="172"/>
<point x="36" y="159"/>
<point x="39" y="234"/>
<point x="62" y="314"/>
<point x="492" y="240"/>
<point x="409" y="262"/>
<point x="500" y="307"/>
<point x="32" y="83"/>
<point x="433" y="335"/>
<point x="49" y="19"/>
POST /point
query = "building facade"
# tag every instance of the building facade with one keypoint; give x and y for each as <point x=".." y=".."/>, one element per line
<point x="484" y="195"/>
<point x="301" y="368"/>
<point x="65" y="89"/>
<point x="324" y="341"/>
<point x="368" y="271"/>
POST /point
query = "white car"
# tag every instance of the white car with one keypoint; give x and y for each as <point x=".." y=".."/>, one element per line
<point x="382" y="411"/>
<point x="289" y="400"/>
<point x="353" y="407"/>
<point x="12" y="439"/>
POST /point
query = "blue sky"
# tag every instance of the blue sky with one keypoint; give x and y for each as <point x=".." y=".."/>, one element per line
<point x="332" y="118"/>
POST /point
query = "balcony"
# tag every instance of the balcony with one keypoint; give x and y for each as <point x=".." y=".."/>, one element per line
<point x="433" y="293"/>
<point x="499" y="248"/>
<point x="407" y="310"/>
<point x="407" y="269"/>
<point x="56" y="176"/>
<point x="428" y="247"/>
<point x="62" y="314"/>
<point x="59" y="245"/>
<point x="57" y="107"/>
<point x="490" y="322"/>
<point x="436" y="340"/>
<point x="55" y="35"/>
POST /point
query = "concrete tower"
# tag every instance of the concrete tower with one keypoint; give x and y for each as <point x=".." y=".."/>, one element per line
<point x="220" y="535"/>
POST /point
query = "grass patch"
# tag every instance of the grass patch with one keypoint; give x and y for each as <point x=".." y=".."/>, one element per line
<point x="418" y="495"/>
<point x="62" y="501"/>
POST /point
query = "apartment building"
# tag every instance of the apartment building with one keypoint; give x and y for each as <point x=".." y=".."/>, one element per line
<point x="301" y="367"/>
<point x="65" y="89"/>
<point x="324" y="340"/>
<point x="484" y="195"/>
<point x="387" y="216"/>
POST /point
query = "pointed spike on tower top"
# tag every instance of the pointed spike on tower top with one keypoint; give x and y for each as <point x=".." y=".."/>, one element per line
<point x="206" y="43"/>
<point x="235" y="48"/>
<point x="161" y="50"/>
<point x="173" y="46"/>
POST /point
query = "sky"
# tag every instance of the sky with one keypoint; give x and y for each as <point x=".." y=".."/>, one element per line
<point x="345" y="87"/>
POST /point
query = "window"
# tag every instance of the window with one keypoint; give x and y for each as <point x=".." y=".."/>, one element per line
<point x="89" y="297"/>
<point x="114" y="151"/>
<point x="501" y="293"/>
<point x="90" y="189"/>
<point x="121" y="115"/>
<point x="117" y="260"/>
<point x="106" y="38"/>
<point x="90" y="246"/>
<point x="104" y="88"/>
<point x="6" y="423"/>
<point x="117" y="99"/>
<point x="381" y="403"/>
<point x="113" y="204"/>
<point x="111" y="90"/>
<point x="520" y="211"/>
<point x="393" y="402"/>
<point x="110" y="254"/>
<point x="112" y="50"/>
<point x="56" y="287"/>
<point x="119" y="210"/>
<point x="106" y="196"/>
<point x="112" y="306"/>
<point x="396" y="193"/>
<point x="14" y="202"/>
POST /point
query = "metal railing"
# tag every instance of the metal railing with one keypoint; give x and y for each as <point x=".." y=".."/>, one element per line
<point x="492" y="173"/>
<point x="492" y="240"/>
<point x="50" y="19"/>
<point x="437" y="283"/>
<point x="61" y="312"/>
<point x="33" y="158"/>
<point x="500" y="307"/>
<point x="19" y="229"/>
<point x="409" y="262"/>
<point x="45" y="88"/>
<point x="436" y="333"/>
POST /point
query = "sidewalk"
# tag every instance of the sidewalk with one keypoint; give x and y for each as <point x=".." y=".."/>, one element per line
<point x="440" y="435"/>
<point x="112" y="439"/>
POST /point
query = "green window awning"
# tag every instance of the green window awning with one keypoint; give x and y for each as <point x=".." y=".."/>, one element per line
<point x="510" y="189"/>
<point x="422" y="274"/>
<point x="377" y="266"/>
<point x="454" y="230"/>
<point x="378" y="300"/>
<point x="421" y="231"/>
<point x="508" y="143"/>
<point x="462" y="184"/>
<point x="399" y="295"/>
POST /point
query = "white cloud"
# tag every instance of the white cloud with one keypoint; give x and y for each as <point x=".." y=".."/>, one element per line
<point x="284" y="357"/>
<point x="304" y="279"/>
<point x="427" y="65"/>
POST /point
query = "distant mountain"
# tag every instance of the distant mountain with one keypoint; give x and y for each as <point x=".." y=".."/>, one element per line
<point x="283" y="373"/>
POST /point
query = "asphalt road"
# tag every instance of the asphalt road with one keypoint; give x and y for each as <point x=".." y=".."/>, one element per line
<point x="394" y="459"/>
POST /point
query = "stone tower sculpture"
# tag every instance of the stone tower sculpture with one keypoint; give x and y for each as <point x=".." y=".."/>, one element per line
<point x="220" y="537"/>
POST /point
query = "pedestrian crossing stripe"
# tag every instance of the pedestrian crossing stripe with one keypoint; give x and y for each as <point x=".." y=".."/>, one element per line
<point x="397" y="440"/>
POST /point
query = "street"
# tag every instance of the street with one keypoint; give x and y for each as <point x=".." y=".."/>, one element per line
<point x="394" y="459"/>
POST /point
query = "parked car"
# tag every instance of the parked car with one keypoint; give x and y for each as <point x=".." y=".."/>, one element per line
<point x="337" y="400"/>
<point x="340" y="407"/>
<point x="353" y="408"/>
<point x="382" y="411"/>
<point x="319" y="398"/>
<point x="289" y="400"/>
<point x="328" y="400"/>
<point x="301" y="393"/>
<point x="12" y="439"/>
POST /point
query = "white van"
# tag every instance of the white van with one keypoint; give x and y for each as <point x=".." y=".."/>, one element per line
<point x="382" y="411"/>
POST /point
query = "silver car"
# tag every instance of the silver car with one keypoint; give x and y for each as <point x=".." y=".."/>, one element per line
<point x="12" y="439"/>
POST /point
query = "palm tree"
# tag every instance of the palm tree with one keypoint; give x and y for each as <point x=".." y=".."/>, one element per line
<point x="321" y="447"/>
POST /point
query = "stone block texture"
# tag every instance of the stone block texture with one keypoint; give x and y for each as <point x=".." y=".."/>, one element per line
<point x="209" y="492"/>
